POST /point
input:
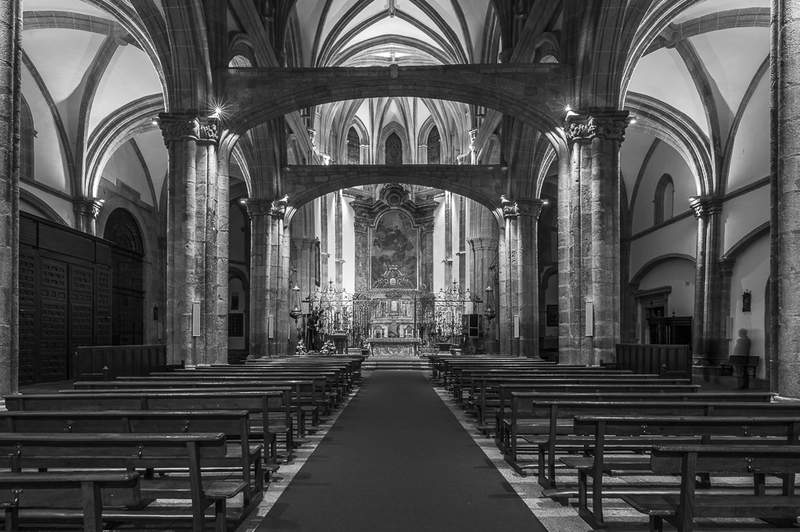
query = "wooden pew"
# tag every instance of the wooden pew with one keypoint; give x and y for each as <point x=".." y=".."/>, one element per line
<point x="270" y="410"/>
<point x="484" y="396"/>
<point x="519" y="419"/>
<point x="744" y="460"/>
<point x="560" y="433"/>
<point x="104" y="451"/>
<point x="305" y="395"/>
<point x="43" y="496"/>
<point x="240" y="455"/>
<point x="638" y="433"/>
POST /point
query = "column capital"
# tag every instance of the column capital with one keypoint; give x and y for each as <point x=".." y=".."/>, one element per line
<point x="523" y="207"/>
<point x="87" y="207"/>
<point x="606" y="123"/>
<point x="189" y="124"/>
<point x="704" y="206"/>
<point x="265" y="207"/>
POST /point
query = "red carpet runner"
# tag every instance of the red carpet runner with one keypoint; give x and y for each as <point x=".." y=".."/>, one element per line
<point x="398" y="460"/>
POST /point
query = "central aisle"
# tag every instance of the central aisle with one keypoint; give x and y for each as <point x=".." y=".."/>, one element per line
<point x="398" y="460"/>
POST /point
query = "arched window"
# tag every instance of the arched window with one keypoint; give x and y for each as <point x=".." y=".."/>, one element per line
<point x="353" y="147"/>
<point x="434" y="146"/>
<point x="394" y="149"/>
<point x="664" y="201"/>
<point x="26" y="135"/>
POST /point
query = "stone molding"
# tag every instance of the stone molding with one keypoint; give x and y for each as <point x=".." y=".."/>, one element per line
<point x="189" y="124"/>
<point x="583" y="127"/>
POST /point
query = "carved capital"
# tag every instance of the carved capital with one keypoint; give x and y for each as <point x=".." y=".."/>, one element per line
<point x="87" y="207"/>
<point x="257" y="206"/>
<point x="705" y="206"/>
<point x="583" y="127"/>
<point x="188" y="125"/>
<point x="530" y="207"/>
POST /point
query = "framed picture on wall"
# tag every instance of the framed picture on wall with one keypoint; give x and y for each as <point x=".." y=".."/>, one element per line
<point x="552" y="315"/>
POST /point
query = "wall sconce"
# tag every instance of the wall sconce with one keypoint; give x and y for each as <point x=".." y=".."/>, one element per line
<point x="747" y="299"/>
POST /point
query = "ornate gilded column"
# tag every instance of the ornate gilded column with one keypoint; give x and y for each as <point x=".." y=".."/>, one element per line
<point x="361" y="223"/>
<point x="592" y="219"/>
<point x="784" y="356"/>
<point x="191" y="325"/>
<point x="86" y="212"/>
<point x="10" y="106"/>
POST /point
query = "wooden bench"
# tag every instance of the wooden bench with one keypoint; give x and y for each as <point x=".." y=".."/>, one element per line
<point x="560" y="432"/>
<point x="270" y="410"/>
<point x="748" y="364"/>
<point x="241" y="455"/>
<point x="690" y="503"/>
<point x="305" y="395"/>
<point x="515" y="401"/>
<point x="43" y="496"/>
<point x="105" y="451"/>
<point x="638" y="433"/>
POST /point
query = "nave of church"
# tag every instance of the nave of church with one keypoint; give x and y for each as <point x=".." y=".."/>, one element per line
<point x="557" y="181"/>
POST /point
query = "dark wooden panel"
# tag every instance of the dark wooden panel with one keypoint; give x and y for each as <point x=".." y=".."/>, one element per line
<point x="103" y="306"/>
<point x="27" y="315"/>
<point x="27" y="231"/>
<point x="65" y="242"/>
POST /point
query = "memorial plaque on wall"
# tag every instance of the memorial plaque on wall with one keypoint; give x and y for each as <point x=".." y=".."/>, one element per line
<point x="395" y="242"/>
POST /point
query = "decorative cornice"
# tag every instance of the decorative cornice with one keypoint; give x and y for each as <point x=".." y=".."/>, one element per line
<point x="586" y="126"/>
<point x="189" y="124"/>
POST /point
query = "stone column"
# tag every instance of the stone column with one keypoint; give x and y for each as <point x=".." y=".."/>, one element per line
<point x="339" y="245"/>
<point x="324" y="247"/>
<point x="595" y="139"/>
<point x="448" y="238"/>
<point x="266" y="227"/>
<point x="785" y="200"/>
<point x="192" y="332"/>
<point x="505" y="317"/>
<point x="10" y="106"/>
<point x="523" y="279"/>
<point x="86" y="212"/>
<point x="706" y="337"/>
<point x="725" y="273"/>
